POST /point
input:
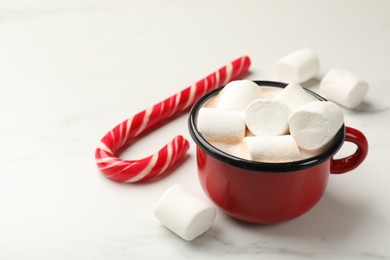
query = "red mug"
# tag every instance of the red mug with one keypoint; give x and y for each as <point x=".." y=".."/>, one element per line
<point x="268" y="193"/>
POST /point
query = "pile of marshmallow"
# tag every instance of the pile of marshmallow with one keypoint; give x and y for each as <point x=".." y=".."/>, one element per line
<point x="338" y="85"/>
<point x="290" y="126"/>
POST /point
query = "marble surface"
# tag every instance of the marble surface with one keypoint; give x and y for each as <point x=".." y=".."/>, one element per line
<point x="71" y="70"/>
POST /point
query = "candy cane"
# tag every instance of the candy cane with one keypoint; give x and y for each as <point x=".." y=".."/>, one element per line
<point x="153" y="166"/>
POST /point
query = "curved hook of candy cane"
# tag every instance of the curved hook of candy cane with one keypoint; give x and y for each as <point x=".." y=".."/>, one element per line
<point x="153" y="166"/>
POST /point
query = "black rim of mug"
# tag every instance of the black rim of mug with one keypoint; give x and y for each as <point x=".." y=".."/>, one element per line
<point x="254" y="165"/>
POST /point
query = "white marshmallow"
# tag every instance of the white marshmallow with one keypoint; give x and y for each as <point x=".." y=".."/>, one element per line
<point x="343" y="87"/>
<point x="294" y="96"/>
<point x="315" y="124"/>
<point x="184" y="213"/>
<point x="281" y="148"/>
<point x="236" y="95"/>
<point x="298" y="66"/>
<point x="267" y="117"/>
<point x="221" y="125"/>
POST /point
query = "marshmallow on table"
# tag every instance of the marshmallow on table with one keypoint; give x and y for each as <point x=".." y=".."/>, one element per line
<point x="281" y="148"/>
<point x="314" y="124"/>
<point x="267" y="117"/>
<point x="221" y="125"/>
<point x="294" y="96"/>
<point x="184" y="213"/>
<point x="298" y="66"/>
<point x="236" y="95"/>
<point x="343" y="87"/>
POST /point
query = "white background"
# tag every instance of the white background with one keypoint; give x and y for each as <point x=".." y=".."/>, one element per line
<point x="71" y="70"/>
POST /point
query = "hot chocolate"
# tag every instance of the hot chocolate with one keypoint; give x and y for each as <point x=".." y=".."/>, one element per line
<point x="265" y="146"/>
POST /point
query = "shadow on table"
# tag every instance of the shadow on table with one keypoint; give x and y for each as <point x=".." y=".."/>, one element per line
<point x="330" y="219"/>
<point x="330" y="216"/>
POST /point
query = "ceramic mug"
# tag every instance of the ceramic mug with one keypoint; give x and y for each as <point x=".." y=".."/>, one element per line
<point x="269" y="192"/>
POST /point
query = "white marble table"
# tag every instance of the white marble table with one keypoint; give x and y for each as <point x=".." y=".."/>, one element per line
<point x="70" y="70"/>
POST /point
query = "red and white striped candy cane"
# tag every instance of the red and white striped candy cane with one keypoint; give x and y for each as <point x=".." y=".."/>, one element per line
<point x="145" y="169"/>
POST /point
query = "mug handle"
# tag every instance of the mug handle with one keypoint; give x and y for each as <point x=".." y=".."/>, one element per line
<point x="349" y="163"/>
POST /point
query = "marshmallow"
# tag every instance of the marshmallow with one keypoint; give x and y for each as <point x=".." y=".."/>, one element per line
<point x="315" y="124"/>
<point x="267" y="117"/>
<point x="221" y="125"/>
<point x="281" y="148"/>
<point x="294" y="96"/>
<point x="298" y="66"/>
<point x="236" y="95"/>
<point x="343" y="87"/>
<point x="184" y="213"/>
